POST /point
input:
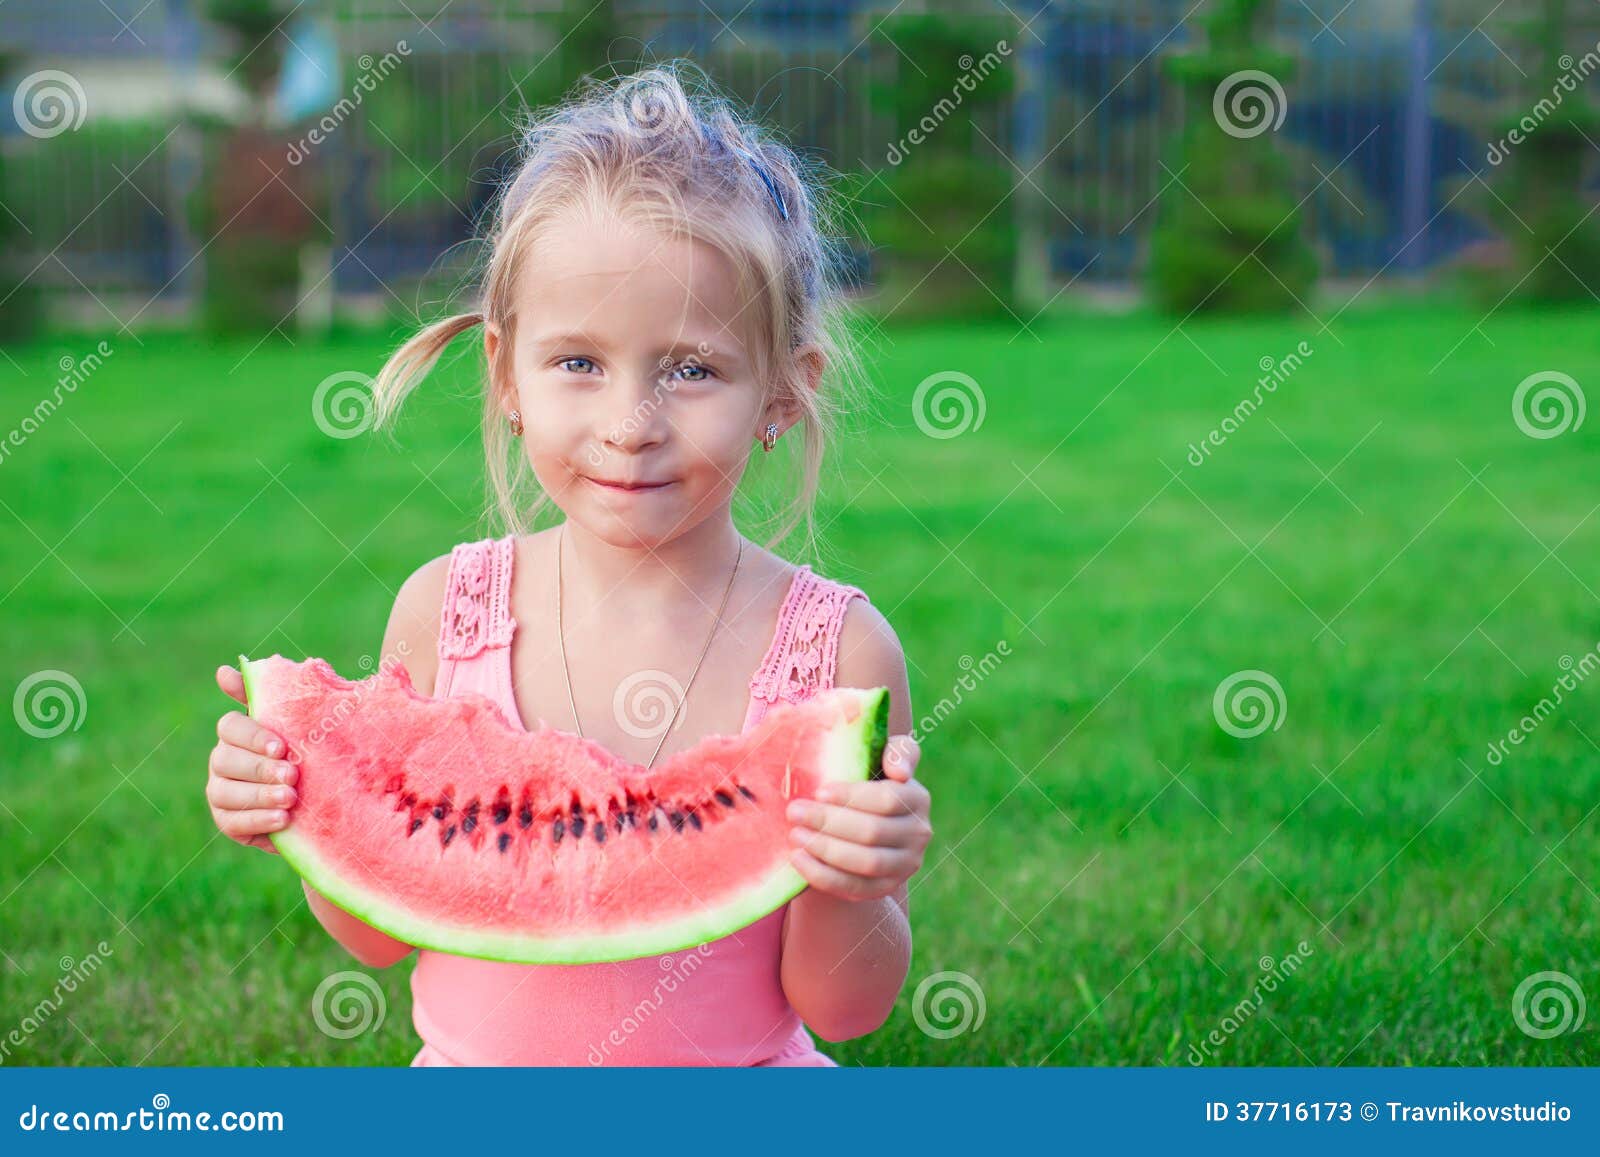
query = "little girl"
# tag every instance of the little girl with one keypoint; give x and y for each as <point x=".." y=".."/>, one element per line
<point x="658" y="300"/>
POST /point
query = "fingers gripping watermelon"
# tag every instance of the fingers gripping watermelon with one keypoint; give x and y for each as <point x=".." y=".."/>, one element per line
<point x="440" y="823"/>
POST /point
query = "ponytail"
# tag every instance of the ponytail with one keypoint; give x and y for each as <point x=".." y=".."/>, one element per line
<point x="409" y="364"/>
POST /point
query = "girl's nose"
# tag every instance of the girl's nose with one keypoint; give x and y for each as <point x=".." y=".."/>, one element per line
<point x="634" y="417"/>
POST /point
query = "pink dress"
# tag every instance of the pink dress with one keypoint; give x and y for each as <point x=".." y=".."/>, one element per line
<point x="718" y="1004"/>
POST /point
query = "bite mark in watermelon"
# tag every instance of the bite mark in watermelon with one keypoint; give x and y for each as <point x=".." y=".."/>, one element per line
<point x="440" y="823"/>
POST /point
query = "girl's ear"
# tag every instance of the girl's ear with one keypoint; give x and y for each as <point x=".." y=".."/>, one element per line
<point x="491" y="351"/>
<point x="810" y="362"/>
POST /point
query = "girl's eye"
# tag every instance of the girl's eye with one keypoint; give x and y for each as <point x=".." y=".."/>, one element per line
<point x="576" y="365"/>
<point x="693" y="373"/>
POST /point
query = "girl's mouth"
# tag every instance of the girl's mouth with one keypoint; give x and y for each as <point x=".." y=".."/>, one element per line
<point x="626" y="487"/>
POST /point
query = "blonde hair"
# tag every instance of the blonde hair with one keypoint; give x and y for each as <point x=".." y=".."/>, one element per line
<point x="662" y="147"/>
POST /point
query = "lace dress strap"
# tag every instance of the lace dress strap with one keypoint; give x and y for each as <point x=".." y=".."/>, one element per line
<point x="804" y="655"/>
<point x="477" y="599"/>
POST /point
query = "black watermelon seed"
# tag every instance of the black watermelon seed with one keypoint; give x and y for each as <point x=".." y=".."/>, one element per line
<point x="525" y="817"/>
<point x="557" y="830"/>
<point x="470" y="820"/>
<point x="599" y="833"/>
<point x="724" y="798"/>
<point x="502" y="812"/>
<point x="655" y="819"/>
<point x="628" y="818"/>
<point x="415" y="824"/>
<point x="695" y="820"/>
<point x="440" y="810"/>
<point x="505" y="840"/>
<point x="449" y="834"/>
<point x="577" y="827"/>
<point x="677" y="820"/>
<point x="744" y="791"/>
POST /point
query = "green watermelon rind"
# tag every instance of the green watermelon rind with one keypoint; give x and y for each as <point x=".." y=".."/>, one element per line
<point x="853" y="754"/>
<point x="247" y="673"/>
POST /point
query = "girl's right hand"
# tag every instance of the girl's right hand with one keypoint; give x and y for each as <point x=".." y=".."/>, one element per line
<point x="250" y="786"/>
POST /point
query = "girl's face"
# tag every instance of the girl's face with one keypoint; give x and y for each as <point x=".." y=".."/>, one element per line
<point x="630" y="370"/>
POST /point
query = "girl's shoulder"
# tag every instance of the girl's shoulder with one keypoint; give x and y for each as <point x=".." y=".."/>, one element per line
<point x="829" y="625"/>
<point x="412" y="633"/>
<point x="473" y="578"/>
<point x="827" y="629"/>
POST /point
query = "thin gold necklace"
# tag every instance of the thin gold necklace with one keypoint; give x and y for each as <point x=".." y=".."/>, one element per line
<point x="561" y="638"/>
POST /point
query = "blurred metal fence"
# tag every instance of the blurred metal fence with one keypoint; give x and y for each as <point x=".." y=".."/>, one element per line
<point x="1388" y="115"/>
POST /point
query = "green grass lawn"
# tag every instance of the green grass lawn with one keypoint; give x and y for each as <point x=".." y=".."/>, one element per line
<point x="1111" y="868"/>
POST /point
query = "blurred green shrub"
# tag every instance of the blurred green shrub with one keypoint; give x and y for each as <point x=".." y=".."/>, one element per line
<point x="942" y="224"/>
<point x="1545" y="149"/>
<point x="19" y="295"/>
<point x="1228" y="233"/>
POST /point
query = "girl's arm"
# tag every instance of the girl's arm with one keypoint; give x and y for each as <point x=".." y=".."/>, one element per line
<point x="371" y="947"/>
<point x="411" y="640"/>
<point x="847" y="938"/>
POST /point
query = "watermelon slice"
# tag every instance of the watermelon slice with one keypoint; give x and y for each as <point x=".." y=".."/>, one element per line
<point x="442" y="824"/>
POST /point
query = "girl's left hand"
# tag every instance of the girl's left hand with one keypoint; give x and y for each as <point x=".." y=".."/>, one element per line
<point x="862" y="841"/>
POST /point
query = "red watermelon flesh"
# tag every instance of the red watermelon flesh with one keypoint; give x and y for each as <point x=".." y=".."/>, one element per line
<point x="440" y="823"/>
